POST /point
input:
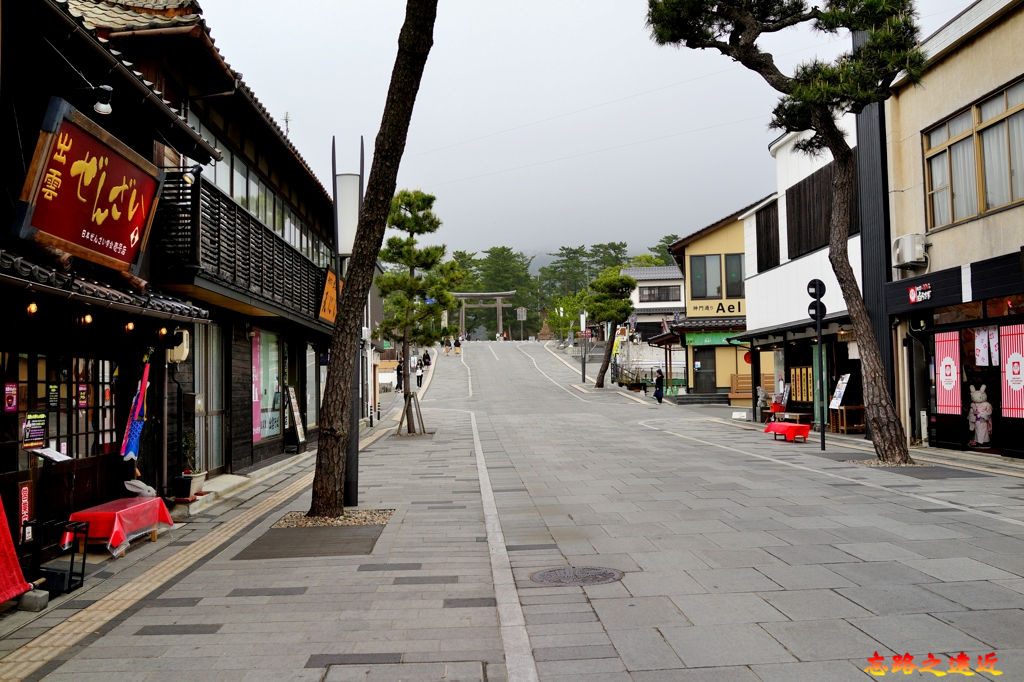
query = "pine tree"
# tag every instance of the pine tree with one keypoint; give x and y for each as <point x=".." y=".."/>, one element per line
<point x="609" y="302"/>
<point x="417" y="289"/>
<point x="813" y="98"/>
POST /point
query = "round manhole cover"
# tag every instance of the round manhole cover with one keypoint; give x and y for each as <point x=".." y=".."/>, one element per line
<point x="576" y="575"/>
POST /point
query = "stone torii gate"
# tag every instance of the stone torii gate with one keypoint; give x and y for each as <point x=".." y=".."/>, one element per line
<point x="480" y="297"/>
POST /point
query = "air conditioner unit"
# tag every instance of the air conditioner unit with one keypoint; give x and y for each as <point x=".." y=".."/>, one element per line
<point x="908" y="251"/>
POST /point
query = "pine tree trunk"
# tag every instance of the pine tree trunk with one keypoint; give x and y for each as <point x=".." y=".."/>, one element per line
<point x="414" y="43"/>
<point x="605" y="361"/>
<point x="887" y="434"/>
<point x="406" y="367"/>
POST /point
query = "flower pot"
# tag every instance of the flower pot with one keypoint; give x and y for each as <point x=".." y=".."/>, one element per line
<point x="188" y="485"/>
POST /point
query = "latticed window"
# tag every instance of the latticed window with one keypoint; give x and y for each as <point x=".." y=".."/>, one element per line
<point x="975" y="159"/>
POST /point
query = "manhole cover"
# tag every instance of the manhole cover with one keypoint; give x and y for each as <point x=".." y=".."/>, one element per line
<point x="576" y="575"/>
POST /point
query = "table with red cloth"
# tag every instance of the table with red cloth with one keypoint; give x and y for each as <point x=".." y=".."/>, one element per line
<point x="121" y="521"/>
<point x="790" y="430"/>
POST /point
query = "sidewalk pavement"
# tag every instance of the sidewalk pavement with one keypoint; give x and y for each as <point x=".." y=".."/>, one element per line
<point x="446" y="592"/>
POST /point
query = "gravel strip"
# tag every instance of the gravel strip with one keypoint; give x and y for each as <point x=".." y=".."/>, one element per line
<point x="352" y="517"/>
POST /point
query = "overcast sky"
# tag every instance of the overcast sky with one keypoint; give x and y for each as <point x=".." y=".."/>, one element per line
<point x="539" y="123"/>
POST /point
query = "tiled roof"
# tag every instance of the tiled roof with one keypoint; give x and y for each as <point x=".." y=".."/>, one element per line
<point x="38" y="277"/>
<point x="662" y="310"/>
<point x="652" y="272"/>
<point x="122" y="15"/>
<point x="72" y="11"/>
<point x="699" y="323"/>
<point x="136" y="15"/>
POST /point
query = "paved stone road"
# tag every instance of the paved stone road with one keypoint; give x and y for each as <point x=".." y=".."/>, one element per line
<point x="744" y="558"/>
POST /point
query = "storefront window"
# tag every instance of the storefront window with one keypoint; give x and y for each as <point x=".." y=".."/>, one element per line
<point x="1004" y="305"/>
<point x="64" y="404"/>
<point x="311" y="386"/>
<point x="959" y="313"/>
<point x="270" y="384"/>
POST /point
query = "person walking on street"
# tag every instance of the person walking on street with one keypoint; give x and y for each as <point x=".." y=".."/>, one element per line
<point x="399" y="371"/>
<point x="458" y="346"/>
<point x="659" y="387"/>
<point x="447" y="345"/>
<point x="419" y="376"/>
<point x="426" y="359"/>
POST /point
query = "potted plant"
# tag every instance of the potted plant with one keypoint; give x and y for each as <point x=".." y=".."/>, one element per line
<point x="191" y="480"/>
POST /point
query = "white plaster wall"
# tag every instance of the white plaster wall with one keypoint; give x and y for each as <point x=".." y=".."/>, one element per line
<point x="779" y="296"/>
<point x="639" y="307"/>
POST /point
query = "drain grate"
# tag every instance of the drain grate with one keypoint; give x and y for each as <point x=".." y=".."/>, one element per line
<point x="576" y="576"/>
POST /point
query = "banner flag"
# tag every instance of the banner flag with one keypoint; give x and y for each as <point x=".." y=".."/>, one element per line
<point x="947" y="372"/>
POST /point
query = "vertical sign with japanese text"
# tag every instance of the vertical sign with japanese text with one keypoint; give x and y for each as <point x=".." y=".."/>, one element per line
<point x="87" y="192"/>
<point x="947" y="372"/>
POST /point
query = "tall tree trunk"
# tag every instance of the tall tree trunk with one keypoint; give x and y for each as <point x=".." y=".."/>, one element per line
<point x="609" y="344"/>
<point x="887" y="434"/>
<point x="414" y="43"/>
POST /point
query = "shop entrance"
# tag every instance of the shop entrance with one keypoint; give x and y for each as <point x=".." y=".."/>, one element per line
<point x="209" y="420"/>
<point x="704" y="374"/>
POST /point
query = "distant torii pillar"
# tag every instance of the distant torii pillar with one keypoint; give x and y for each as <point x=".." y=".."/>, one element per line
<point x="480" y="297"/>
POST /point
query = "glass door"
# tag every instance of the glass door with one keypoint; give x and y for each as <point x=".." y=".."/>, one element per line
<point x="209" y="367"/>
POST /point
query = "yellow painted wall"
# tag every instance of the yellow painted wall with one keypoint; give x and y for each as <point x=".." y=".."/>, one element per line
<point x="975" y="69"/>
<point x="728" y="361"/>
<point x="725" y="240"/>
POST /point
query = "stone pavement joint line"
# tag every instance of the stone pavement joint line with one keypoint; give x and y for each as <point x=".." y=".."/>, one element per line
<point x="519" y="659"/>
<point x="34" y="654"/>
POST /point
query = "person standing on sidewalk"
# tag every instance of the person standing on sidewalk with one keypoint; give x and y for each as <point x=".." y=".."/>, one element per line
<point x="659" y="387"/>
<point x="419" y="376"/>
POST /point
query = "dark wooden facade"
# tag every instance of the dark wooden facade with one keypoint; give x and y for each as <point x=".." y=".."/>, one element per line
<point x="767" y="227"/>
<point x="809" y="213"/>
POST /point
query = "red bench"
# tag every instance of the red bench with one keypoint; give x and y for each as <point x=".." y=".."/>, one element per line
<point x="788" y="429"/>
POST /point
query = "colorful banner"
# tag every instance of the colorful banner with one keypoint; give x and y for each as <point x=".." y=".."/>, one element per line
<point x="947" y="372"/>
<point x="1012" y="340"/>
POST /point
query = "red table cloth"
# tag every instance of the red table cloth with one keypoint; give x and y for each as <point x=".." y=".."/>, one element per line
<point x="121" y="521"/>
<point x="788" y="429"/>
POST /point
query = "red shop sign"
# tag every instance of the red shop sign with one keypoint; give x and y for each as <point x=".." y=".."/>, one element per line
<point x="87" y="192"/>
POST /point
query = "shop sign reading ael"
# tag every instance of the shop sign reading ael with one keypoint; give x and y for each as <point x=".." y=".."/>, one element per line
<point x="922" y="292"/>
<point x="87" y="192"/>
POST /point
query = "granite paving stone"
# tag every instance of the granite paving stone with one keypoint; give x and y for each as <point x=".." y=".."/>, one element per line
<point x="999" y="628"/>
<point x="915" y="633"/>
<point x="724" y="645"/>
<point x="644" y="649"/>
<point x="824" y="640"/>
<point x="894" y="599"/>
<point x="638" y="612"/>
<point x="718" y="609"/>
<point x="813" y="604"/>
<point x="733" y="580"/>
<point x="978" y="594"/>
<point x="957" y="568"/>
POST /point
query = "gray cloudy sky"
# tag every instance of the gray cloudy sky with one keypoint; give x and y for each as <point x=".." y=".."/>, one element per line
<point x="539" y="123"/>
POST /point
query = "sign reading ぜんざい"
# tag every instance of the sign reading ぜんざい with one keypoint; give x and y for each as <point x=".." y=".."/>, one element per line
<point x="87" y="192"/>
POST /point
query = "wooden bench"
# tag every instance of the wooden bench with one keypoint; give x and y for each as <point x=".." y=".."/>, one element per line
<point x="795" y="417"/>
<point x="741" y="386"/>
<point x="788" y="429"/>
